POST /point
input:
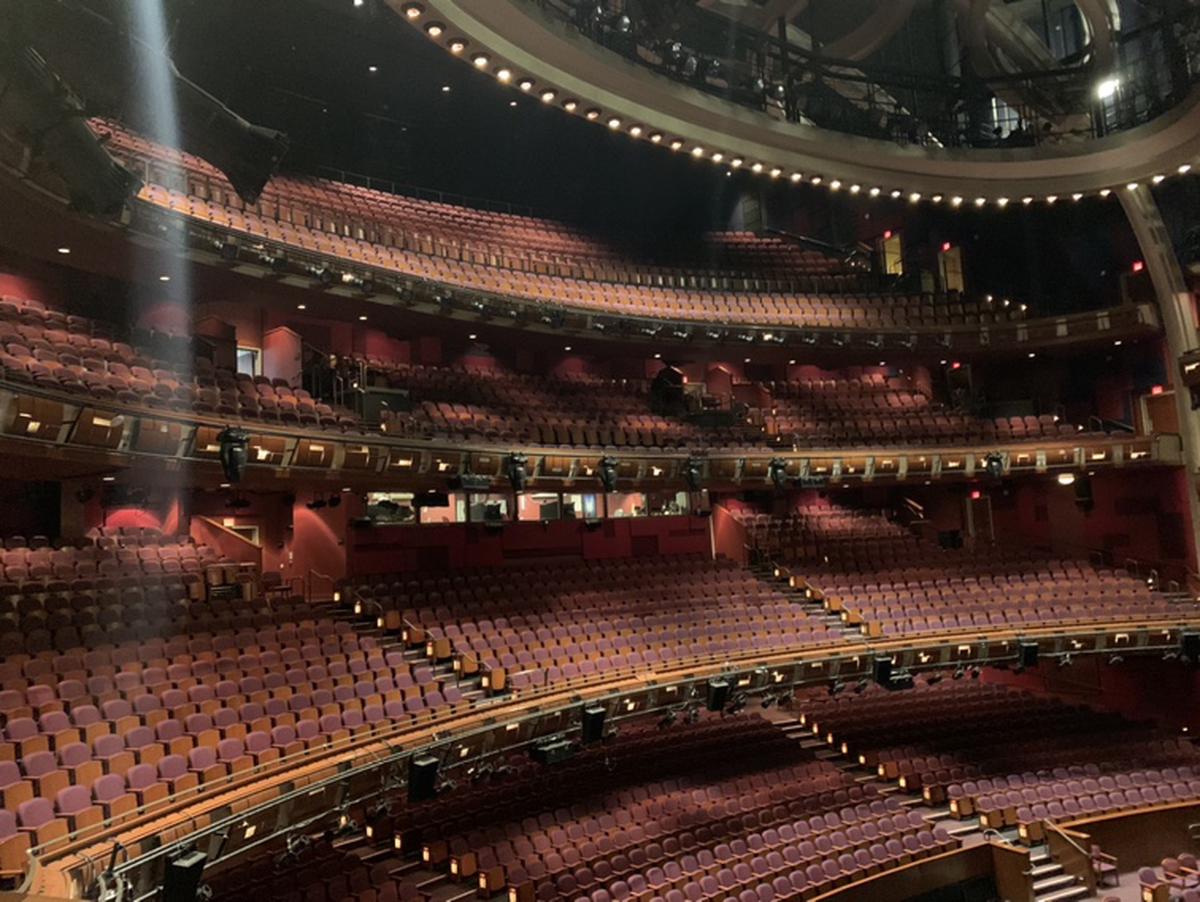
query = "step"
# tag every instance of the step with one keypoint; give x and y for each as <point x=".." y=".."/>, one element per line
<point x="1050" y="884"/>
<point x="964" y="830"/>
<point x="1046" y="869"/>
<point x="939" y="815"/>
<point x="1064" y="895"/>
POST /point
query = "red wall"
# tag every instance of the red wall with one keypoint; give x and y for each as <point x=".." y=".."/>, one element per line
<point x="1140" y="515"/>
<point x="407" y="549"/>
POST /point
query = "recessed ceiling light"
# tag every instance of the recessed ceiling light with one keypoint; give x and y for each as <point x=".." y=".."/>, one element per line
<point x="458" y="45"/>
<point x="658" y="356"/>
<point x="302" y="306"/>
<point x="757" y="167"/>
<point x="372" y="69"/>
<point x="363" y="318"/>
<point x="504" y="75"/>
<point x="435" y="29"/>
<point x="1158" y="178"/>
<point x="1185" y="168"/>
<point x="548" y="95"/>
<point x="413" y="10"/>
<point x="445" y="89"/>
<point x="676" y="144"/>
<point x="164" y="278"/>
<point x="472" y="337"/>
<point x="512" y="103"/>
<point x="570" y="105"/>
<point x="108" y="478"/>
<point x="635" y="130"/>
<point x="1132" y="186"/>
<point x="1105" y="192"/>
<point x="697" y="151"/>
<point x="64" y="250"/>
<point x="593" y="114"/>
<point x="656" y="138"/>
<point x="224" y="485"/>
<point x="480" y="60"/>
<point x="614" y="123"/>
<point x="875" y="192"/>
<point x="566" y="347"/>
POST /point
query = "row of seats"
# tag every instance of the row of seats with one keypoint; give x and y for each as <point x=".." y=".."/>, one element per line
<point x="508" y="268"/>
<point x="1009" y="758"/>
<point x="586" y="411"/>
<point x="886" y="580"/>
<point x="33" y="349"/>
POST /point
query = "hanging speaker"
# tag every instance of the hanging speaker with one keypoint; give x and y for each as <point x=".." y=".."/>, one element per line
<point x="422" y="778"/>
<point x="718" y="694"/>
<point x="882" y="669"/>
<point x="593" y="723"/>
<point x="1028" y="652"/>
<point x="181" y="880"/>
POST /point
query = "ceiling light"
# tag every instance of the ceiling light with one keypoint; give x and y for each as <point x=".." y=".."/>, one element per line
<point x="797" y="177"/>
<point x="1027" y="200"/>
<point x="792" y="362"/>
<point x="413" y="10"/>
<point x="525" y="84"/>
<point x="302" y="306"/>
<point x="372" y="69"/>
<point x="458" y="45"/>
<point x="776" y="172"/>
<point x="875" y="191"/>
<point x="746" y="360"/>
<point x="658" y="356"/>
<point x="937" y="198"/>
<point x="1051" y="198"/>
<point x="472" y="336"/>
<point x="635" y="130"/>
<point x="614" y="123"/>
<point x="1032" y="354"/>
<point x="358" y="3"/>
<point x="1077" y="196"/>
<point x="1132" y="186"/>
<point x="1185" y="169"/>
<point x="1107" y="88"/>
<point x="512" y="103"/>
<point x="445" y="89"/>
<point x="1066" y="478"/>
<point x="736" y="162"/>
<point x="697" y="151"/>
<point x="64" y="250"/>
<point x="593" y="114"/>
<point x="816" y="180"/>
<point x="718" y="157"/>
<point x="1158" y="178"/>
<point x="566" y="347"/>
<point x="108" y="478"/>
<point x="570" y="105"/>
<point x="435" y="29"/>
<point x="854" y="189"/>
<point x="480" y="60"/>
<point x="1105" y="192"/>
<point x="164" y="278"/>
<point x="897" y="193"/>
<point x="914" y="197"/>
<point x="956" y="201"/>
<point x="362" y="318"/>
<point x="1002" y="202"/>
<point x="656" y="138"/>
<point x="835" y="185"/>
<point x="504" y="75"/>
<point x="676" y="144"/>
<point x="548" y="95"/>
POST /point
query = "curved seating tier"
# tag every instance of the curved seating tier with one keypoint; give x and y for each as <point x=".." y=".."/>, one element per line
<point x="887" y="581"/>
<point x="79" y="355"/>
<point x="533" y="259"/>
<point x="1012" y="759"/>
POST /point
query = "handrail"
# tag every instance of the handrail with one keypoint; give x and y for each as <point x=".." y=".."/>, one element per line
<point x="1055" y="828"/>
<point x="321" y="576"/>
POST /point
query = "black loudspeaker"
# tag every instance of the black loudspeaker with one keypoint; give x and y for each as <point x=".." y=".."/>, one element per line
<point x="1028" y="653"/>
<point x="718" y="694"/>
<point x="593" y="723"/>
<point x="1189" y="644"/>
<point x="422" y="778"/>
<point x="553" y="752"/>
<point x="182" y="877"/>
<point x="882" y="669"/>
<point x="899" y="679"/>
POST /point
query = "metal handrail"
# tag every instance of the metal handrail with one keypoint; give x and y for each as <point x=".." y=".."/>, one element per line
<point x="322" y="576"/>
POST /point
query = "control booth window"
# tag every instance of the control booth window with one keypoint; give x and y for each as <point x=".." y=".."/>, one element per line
<point x="249" y="361"/>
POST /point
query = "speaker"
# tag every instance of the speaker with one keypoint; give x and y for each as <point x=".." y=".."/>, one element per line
<point x="882" y="669"/>
<point x="552" y="752"/>
<point x="718" y="694"/>
<point x="182" y="877"/>
<point x="422" y="778"/>
<point x="899" y="679"/>
<point x="593" y="723"/>
<point x="1084" y="499"/>
<point x="1028" y="653"/>
<point x="1189" y="644"/>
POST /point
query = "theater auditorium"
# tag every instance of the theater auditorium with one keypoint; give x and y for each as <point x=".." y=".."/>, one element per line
<point x="599" y="450"/>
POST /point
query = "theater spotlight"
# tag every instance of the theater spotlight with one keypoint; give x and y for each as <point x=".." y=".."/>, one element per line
<point x="517" y="473"/>
<point x="994" y="464"/>
<point x="234" y="449"/>
<point x="693" y="473"/>
<point x="607" y="471"/>
<point x="777" y="470"/>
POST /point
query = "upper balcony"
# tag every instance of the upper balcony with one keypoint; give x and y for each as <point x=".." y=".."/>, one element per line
<point x="1014" y="121"/>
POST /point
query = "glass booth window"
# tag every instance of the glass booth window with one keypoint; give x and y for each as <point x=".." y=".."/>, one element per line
<point x="391" y="507"/>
